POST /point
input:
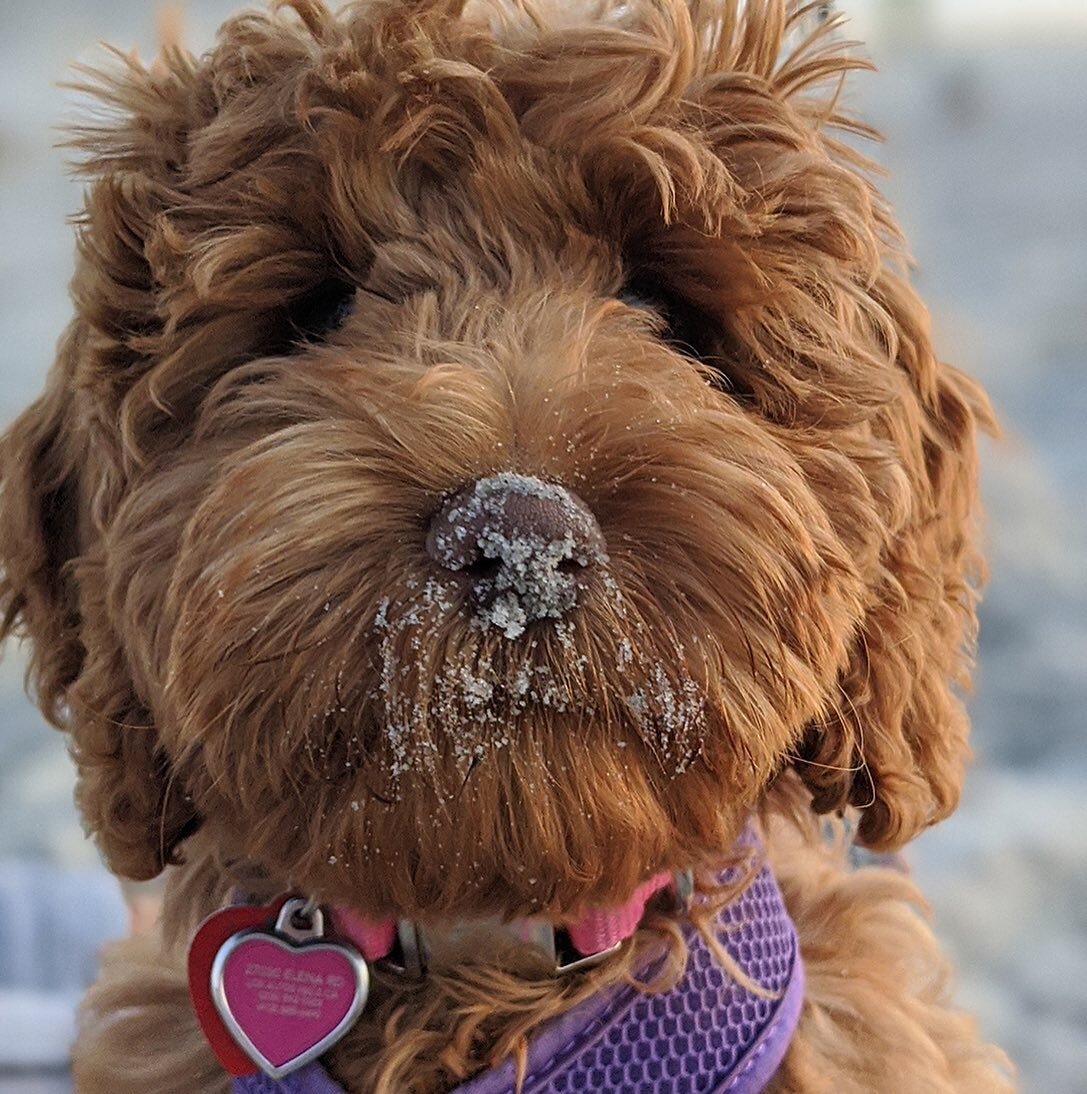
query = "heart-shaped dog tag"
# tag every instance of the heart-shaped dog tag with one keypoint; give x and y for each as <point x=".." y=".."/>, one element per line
<point x="287" y="995"/>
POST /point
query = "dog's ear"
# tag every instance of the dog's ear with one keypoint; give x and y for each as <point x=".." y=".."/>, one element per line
<point x="52" y="593"/>
<point x="828" y="291"/>
<point x="896" y="743"/>
<point x="64" y="464"/>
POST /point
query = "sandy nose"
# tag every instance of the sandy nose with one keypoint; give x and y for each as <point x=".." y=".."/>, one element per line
<point x="523" y="544"/>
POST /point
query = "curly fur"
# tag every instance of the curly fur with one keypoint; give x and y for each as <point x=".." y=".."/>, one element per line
<point x="212" y="532"/>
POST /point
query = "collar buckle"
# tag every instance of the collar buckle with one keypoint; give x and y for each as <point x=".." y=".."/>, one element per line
<point x="411" y="954"/>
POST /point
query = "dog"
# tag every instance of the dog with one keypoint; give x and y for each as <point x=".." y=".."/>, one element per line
<point x="497" y="466"/>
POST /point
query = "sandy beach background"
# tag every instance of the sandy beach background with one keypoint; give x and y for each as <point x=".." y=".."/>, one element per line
<point x="987" y="151"/>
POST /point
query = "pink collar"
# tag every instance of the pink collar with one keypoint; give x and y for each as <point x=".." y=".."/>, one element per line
<point x="594" y="934"/>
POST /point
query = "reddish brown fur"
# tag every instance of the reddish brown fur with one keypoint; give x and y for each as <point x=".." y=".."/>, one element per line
<point x="201" y="523"/>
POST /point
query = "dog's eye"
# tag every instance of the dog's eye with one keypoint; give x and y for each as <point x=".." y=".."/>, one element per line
<point x="321" y="311"/>
<point x="682" y="327"/>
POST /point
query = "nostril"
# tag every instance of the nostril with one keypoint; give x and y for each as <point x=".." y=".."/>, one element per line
<point x="483" y="568"/>
<point x="572" y="565"/>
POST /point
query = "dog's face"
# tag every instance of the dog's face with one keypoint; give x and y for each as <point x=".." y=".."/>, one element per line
<point x="486" y="456"/>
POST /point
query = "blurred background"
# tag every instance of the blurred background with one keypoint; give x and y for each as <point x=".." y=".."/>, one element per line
<point x="984" y="104"/>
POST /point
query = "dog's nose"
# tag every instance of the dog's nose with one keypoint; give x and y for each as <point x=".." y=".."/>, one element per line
<point x="524" y="544"/>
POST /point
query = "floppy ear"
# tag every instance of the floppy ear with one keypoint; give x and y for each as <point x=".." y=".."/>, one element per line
<point x="897" y="742"/>
<point x="52" y="594"/>
<point x="63" y="471"/>
<point x="66" y="463"/>
<point x="895" y="739"/>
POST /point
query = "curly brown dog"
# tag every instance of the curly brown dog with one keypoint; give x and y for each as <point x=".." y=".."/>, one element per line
<point x="498" y="459"/>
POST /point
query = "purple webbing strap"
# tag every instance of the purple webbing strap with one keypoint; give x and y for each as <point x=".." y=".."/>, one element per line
<point x="709" y="1033"/>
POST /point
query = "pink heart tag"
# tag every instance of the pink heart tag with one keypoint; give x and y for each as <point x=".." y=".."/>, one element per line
<point x="285" y="1001"/>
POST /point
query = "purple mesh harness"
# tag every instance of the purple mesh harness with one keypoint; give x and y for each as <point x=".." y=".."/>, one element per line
<point x="708" y="1035"/>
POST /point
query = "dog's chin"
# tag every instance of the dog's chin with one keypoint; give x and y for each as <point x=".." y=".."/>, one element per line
<point x="560" y="812"/>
